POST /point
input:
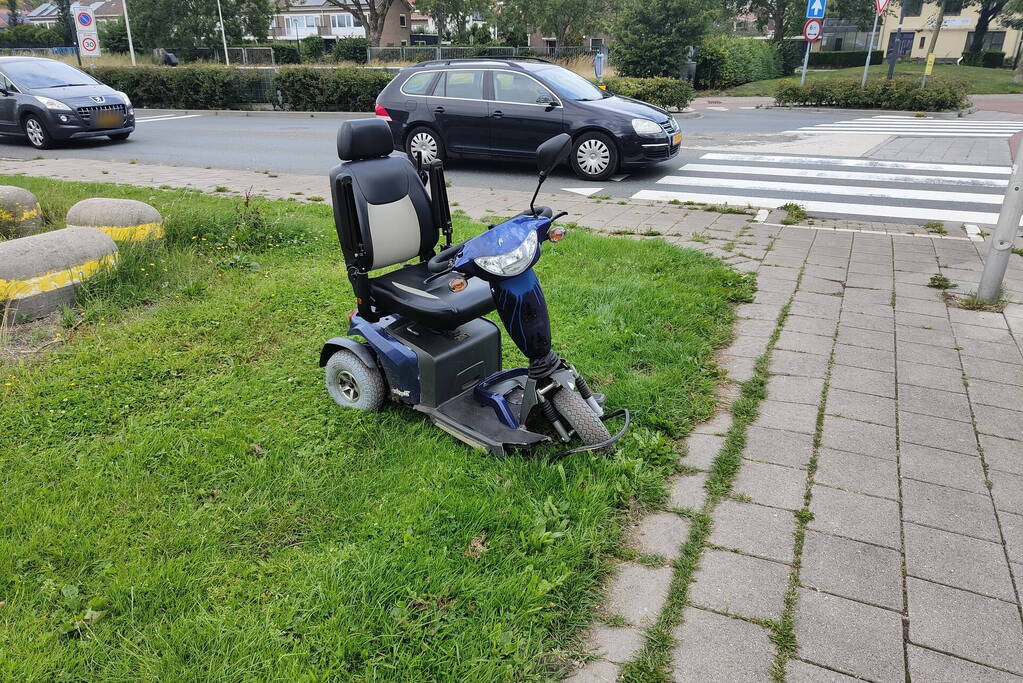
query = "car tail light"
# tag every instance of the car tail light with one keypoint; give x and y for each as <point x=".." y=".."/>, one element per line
<point x="381" y="112"/>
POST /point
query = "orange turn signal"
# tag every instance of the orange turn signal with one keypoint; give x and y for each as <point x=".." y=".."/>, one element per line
<point x="556" y="234"/>
<point x="457" y="284"/>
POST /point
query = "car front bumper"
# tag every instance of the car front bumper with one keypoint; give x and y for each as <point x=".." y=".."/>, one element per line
<point x="643" y="151"/>
<point x="63" y="125"/>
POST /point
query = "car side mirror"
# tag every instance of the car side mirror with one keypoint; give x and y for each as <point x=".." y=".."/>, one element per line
<point x="546" y="99"/>
<point x="552" y="152"/>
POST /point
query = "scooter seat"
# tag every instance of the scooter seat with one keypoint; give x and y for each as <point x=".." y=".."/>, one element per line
<point x="408" y="292"/>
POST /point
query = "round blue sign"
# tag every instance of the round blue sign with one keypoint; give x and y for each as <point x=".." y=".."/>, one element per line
<point x="85" y="19"/>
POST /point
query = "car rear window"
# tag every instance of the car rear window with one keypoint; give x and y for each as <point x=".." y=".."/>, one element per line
<point x="419" y="83"/>
<point x="466" y="84"/>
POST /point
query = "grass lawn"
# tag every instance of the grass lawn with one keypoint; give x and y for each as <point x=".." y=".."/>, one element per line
<point x="982" y="81"/>
<point x="182" y="501"/>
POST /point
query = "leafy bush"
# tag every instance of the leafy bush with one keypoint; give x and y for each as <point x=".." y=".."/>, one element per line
<point x="184" y="87"/>
<point x="30" y="35"/>
<point x="725" y="61"/>
<point x="940" y="94"/>
<point x="991" y="59"/>
<point x="344" y="89"/>
<point x="663" y="92"/>
<point x="312" y="48"/>
<point x="350" y="50"/>
<point x="844" y="58"/>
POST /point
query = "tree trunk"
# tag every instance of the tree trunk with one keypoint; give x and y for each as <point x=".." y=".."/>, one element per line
<point x="987" y="11"/>
<point x="781" y="8"/>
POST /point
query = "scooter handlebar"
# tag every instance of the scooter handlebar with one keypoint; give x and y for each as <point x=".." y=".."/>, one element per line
<point x="442" y="261"/>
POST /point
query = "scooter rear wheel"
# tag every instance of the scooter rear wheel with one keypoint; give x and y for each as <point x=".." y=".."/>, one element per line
<point x="574" y="409"/>
<point x="353" y="385"/>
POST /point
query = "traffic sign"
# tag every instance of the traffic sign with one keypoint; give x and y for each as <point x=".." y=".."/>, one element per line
<point x="90" y="46"/>
<point x="85" y="19"/>
<point x="812" y="30"/>
<point x="815" y="8"/>
<point x="881" y="5"/>
<point x="86" y="31"/>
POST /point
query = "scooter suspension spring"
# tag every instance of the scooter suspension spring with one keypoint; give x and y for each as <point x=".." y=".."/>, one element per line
<point x="584" y="389"/>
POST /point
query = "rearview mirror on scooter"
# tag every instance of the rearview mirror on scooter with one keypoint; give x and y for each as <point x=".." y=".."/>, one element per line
<point x="548" y="155"/>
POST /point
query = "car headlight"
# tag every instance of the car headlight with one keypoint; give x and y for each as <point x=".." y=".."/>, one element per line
<point x="512" y="263"/>
<point x="646" y="127"/>
<point x="51" y="103"/>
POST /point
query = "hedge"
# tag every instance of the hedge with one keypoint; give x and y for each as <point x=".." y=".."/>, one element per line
<point x="185" y="87"/>
<point x="940" y="94"/>
<point x="663" y="92"/>
<point x="350" y="50"/>
<point x="343" y="89"/>
<point x="726" y="61"/>
<point x="844" y="58"/>
<point x="991" y="59"/>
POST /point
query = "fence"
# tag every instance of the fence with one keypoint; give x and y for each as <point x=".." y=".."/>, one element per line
<point x="37" y="51"/>
<point x="421" y="53"/>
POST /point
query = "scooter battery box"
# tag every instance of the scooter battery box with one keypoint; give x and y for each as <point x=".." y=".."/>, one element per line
<point x="451" y="361"/>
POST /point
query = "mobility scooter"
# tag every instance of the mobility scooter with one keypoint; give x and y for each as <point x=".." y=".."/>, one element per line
<point x="426" y="342"/>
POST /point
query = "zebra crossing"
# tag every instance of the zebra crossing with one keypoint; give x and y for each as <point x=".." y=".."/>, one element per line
<point x="913" y="126"/>
<point x="851" y="188"/>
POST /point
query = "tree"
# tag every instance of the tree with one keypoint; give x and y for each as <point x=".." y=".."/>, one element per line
<point x="158" y="23"/>
<point x="371" y="13"/>
<point x="452" y="14"/>
<point x="651" y="36"/>
<point x="63" y="25"/>
<point x="988" y="11"/>
<point x="113" y="35"/>
<point x="563" y="19"/>
<point x="14" y="19"/>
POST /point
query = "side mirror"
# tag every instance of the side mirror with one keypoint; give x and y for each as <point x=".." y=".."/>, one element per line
<point x="546" y="99"/>
<point x="552" y="152"/>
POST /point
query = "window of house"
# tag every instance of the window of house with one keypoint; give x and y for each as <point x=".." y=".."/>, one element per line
<point x="467" y="84"/>
<point x="552" y="47"/>
<point x="923" y="39"/>
<point x="403" y="22"/>
<point x="294" y="23"/>
<point x="598" y="44"/>
<point x="993" y="40"/>
<point x="518" y="88"/>
<point x="912" y="8"/>
<point x="341" y="20"/>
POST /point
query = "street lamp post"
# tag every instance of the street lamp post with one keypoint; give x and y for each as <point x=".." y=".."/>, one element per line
<point x="223" y="35"/>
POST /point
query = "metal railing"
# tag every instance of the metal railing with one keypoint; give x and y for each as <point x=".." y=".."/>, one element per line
<point x="62" y="51"/>
<point x="422" y="53"/>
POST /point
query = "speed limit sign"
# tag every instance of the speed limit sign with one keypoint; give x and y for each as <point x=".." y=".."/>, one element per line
<point x="90" y="46"/>
<point x="812" y="30"/>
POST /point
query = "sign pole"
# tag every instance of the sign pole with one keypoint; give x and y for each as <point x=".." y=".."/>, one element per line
<point x="73" y="12"/>
<point x="127" y="26"/>
<point x="1005" y="234"/>
<point x="896" y="48"/>
<point x="806" y="61"/>
<point x="223" y="35"/>
<point x="870" y="48"/>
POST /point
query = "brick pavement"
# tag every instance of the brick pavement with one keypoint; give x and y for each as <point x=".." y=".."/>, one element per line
<point x="882" y="480"/>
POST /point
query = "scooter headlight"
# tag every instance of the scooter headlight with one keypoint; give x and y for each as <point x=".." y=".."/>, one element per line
<point x="513" y="262"/>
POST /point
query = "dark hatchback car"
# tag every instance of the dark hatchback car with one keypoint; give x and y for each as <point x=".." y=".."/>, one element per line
<point x="46" y="101"/>
<point x="506" y="108"/>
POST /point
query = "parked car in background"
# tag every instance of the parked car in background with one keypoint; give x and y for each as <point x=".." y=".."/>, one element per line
<point x="503" y="109"/>
<point x="47" y="101"/>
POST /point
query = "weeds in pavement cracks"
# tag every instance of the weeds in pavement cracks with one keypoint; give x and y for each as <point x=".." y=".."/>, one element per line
<point x="653" y="660"/>
<point x="794" y="213"/>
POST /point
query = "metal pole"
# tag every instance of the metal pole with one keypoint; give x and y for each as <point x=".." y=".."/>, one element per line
<point x="870" y="48"/>
<point x="806" y="60"/>
<point x="74" y="32"/>
<point x="127" y="26"/>
<point x="223" y="34"/>
<point x="896" y="47"/>
<point x="1005" y="234"/>
<point x="934" y="38"/>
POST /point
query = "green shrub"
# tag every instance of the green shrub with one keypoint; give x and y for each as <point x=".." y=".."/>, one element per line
<point x="311" y="48"/>
<point x="350" y="50"/>
<point x="992" y="59"/>
<point x="726" y="61"/>
<point x="30" y="35"/>
<point x="844" y="58"/>
<point x="184" y="87"/>
<point x="663" y="92"/>
<point x="940" y="94"/>
<point x="344" y="89"/>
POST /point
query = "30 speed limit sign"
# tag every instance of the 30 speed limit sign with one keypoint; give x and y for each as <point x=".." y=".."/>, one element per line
<point x="812" y="30"/>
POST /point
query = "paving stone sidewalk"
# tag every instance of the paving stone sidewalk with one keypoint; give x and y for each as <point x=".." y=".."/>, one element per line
<point x="899" y="416"/>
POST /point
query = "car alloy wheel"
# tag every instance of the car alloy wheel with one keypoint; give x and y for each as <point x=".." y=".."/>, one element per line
<point x="425" y="144"/>
<point x="34" y="131"/>
<point x="593" y="156"/>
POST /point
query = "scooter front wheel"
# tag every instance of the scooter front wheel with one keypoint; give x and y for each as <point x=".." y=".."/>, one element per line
<point x="352" y="384"/>
<point x="574" y="410"/>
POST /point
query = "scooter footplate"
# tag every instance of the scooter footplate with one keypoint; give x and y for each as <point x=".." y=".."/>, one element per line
<point x="478" y="425"/>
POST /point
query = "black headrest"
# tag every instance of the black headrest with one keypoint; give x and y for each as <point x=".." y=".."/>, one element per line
<point x="364" y="139"/>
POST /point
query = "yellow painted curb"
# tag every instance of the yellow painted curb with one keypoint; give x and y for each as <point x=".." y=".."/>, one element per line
<point x="31" y="213"/>
<point x="128" y="233"/>
<point x="58" y="279"/>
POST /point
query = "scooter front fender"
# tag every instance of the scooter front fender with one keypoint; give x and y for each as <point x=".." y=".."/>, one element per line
<point x="523" y="310"/>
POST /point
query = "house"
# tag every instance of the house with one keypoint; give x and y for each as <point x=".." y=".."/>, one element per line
<point x="549" y="44"/>
<point x="302" y="18"/>
<point x="47" y="13"/>
<point x="5" y="17"/>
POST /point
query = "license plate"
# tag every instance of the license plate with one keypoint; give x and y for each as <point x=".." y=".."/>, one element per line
<point x="109" y="119"/>
<point x="677" y="139"/>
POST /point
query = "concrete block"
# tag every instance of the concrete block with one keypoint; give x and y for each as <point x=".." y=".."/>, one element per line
<point x="124" y="220"/>
<point x="20" y="213"/>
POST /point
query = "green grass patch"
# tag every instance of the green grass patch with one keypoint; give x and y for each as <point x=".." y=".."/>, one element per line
<point x="982" y="81"/>
<point x="183" y="501"/>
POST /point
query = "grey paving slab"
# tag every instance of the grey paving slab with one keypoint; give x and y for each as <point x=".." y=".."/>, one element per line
<point x="660" y="533"/>
<point x="807" y="343"/>
<point x="1002" y="454"/>
<point x="807" y="325"/>
<point x="739" y="368"/>
<point x="999" y="421"/>
<point x="992" y="351"/>
<point x="859" y="406"/>
<point x="981" y="318"/>
<point x="597" y="671"/>
<point x="947" y="468"/>
<point x="769" y="484"/>
<point x="949" y="509"/>
<point x="925" y="354"/>
<point x="795" y="389"/>
<point x="920" y="335"/>
<point x="854" y="436"/>
<point x="957" y="560"/>
<point x="738" y="584"/>
<point x="927" y="322"/>
<point x="984" y="629"/>
<point x="993" y="370"/>
<point x="719" y="424"/>
<point x="933" y="377"/>
<point x="793" y="417"/>
<point x="616" y="645"/>
<point x="870" y="339"/>
<point x="687" y="492"/>
<point x="754" y="328"/>
<point x="1007" y="490"/>
<point x="1012" y="529"/>
<point x="797" y="671"/>
<point x="746" y="346"/>
<point x="701" y="449"/>
<point x="795" y="363"/>
<point x="712" y="647"/>
<point x="638" y="593"/>
<point x="861" y="357"/>
<point x="995" y="394"/>
<point x="934" y="402"/>
<point x="937" y="432"/>
<point x="851" y="569"/>
<point x="848" y="636"/>
<point x="863" y="380"/>
<point x="859" y="473"/>
<point x="935" y="667"/>
<point x="754" y="530"/>
<point x="921" y="306"/>
<point x="855" y="516"/>
<point x="967" y="332"/>
<point x="778" y="446"/>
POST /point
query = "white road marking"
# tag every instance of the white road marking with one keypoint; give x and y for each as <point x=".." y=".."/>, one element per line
<point x="862" y="163"/>
<point x="173" y="118"/>
<point x="906" y="126"/>
<point x="881" y="191"/>
<point x="910" y="212"/>
<point x="622" y="176"/>
<point x="973" y="232"/>
<point x="726" y="108"/>
<point x="587" y="191"/>
<point x="844" y="175"/>
<point x="864" y="58"/>
<point x="762" y="213"/>
<point x="906" y="134"/>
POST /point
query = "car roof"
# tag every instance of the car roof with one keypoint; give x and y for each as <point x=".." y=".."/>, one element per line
<point x="9" y="60"/>
<point x="526" y="64"/>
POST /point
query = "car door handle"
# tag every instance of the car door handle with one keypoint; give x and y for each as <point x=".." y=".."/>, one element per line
<point x="497" y="114"/>
<point x="438" y="110"/>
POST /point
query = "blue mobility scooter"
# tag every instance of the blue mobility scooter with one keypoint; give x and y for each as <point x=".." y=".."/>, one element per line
<point x="427" y="344"/>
